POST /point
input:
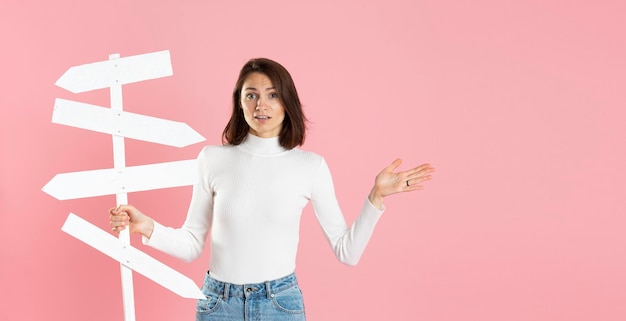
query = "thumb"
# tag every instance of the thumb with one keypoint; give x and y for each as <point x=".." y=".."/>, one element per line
<point x="394" y="165"/>
<point x="121" y="208"/>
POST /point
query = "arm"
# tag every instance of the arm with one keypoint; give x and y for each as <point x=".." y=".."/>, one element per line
<point x="349" y="243"/>
<point x="185" y="243"/>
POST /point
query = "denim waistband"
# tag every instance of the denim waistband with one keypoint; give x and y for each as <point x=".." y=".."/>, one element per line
<point x="267" y="288"/>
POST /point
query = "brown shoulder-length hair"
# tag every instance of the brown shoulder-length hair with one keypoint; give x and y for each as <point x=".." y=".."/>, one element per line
<point x="294" y="125"/>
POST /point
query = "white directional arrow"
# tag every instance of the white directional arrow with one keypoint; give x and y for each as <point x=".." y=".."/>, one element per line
<point x="121" y="123"/>
<point x="105" y="74"/>
<point x="129" y="179"/>
<point x="131" y="257"/>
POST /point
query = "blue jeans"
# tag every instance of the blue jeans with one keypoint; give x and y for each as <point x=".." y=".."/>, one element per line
<point x="277" y="300"/>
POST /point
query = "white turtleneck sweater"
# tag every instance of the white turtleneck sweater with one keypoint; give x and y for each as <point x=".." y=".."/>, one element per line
<point x="249" y="199"/>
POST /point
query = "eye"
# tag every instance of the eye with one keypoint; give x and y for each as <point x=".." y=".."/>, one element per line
<point x="251" y="96"/>
<point x="274" y="95"/>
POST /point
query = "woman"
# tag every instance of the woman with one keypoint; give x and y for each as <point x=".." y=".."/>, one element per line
<point x="250" y="197"/>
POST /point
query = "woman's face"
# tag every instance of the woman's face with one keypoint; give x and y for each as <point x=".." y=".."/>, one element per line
<point x="262" y="108"/>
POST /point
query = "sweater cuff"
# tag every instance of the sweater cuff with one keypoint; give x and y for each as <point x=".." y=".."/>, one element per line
<point x="370" y="208"/>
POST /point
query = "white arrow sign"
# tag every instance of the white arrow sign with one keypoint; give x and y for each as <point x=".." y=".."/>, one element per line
<point x="105" y="74"/>
<point x="111" y="181"/>
<point x="131" y="257"/>
<point x="120" y="123"/>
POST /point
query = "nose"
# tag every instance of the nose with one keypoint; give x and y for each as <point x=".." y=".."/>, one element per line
<point x="261" y="104"/>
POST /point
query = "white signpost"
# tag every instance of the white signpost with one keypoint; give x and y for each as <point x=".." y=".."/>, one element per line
<point x="120" y="179"/>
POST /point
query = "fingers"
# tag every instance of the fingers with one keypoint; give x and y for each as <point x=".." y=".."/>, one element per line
<point x="121" y="208"/>
<point x="423" y="168"/>
<point x="418" y="175"/>
<point x="414" y="182"/>
<point x="411" y="188"/>
<point x="418" y="171"/>
<point x="119" y="222"/>
<point x="118" y="219"/>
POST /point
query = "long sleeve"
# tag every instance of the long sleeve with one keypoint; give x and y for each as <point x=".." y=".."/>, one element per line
<point x="187" y="242"/>
<point x="348" y="243"/>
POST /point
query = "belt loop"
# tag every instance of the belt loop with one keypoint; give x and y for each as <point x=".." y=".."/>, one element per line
<point x="226" y="289"/>
<point x="268" y="292"/>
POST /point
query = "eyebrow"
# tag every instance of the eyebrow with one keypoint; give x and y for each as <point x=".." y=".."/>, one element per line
<point x="254" y="88"/>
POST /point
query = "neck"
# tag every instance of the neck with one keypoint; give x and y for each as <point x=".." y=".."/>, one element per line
<point x="263" y="146"/>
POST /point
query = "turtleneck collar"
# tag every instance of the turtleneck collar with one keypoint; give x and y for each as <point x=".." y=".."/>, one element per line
<point x="261" y="146"/>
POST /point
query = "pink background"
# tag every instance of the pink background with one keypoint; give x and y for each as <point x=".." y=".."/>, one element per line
<point x="518" y="104"/>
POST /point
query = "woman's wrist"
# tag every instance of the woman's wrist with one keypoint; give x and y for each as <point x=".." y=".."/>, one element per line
<point x="376" y="198"/>
<point x="147" y="228"/>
